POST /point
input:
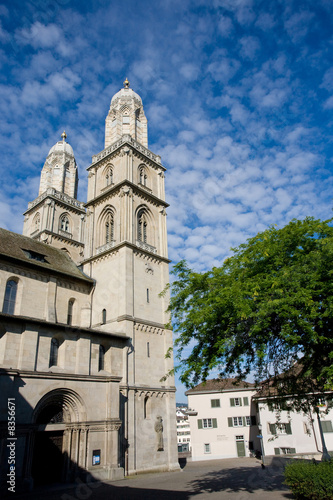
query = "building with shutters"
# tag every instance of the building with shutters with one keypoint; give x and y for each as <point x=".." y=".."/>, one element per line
<point x="82" y="332"/>
<point x="288" y="432"/>
<point x="227" y="420"/>
<point x="222" y="420"/>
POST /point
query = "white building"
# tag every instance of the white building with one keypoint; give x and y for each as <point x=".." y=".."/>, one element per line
<point x="289" y="432"/>
<point x="222" y="420"/>
<point x="183" y="430"/>
<point x="82" y="349"/>
<point x="227" y="420"/>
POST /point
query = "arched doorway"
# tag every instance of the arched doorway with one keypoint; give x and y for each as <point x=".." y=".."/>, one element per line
<point x="55" y="412"/>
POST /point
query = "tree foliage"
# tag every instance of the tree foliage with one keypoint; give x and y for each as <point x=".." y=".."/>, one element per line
<point x="266" y="308"/>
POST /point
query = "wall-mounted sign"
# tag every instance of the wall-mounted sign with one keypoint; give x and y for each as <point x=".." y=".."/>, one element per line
<point x="96" y="457"/>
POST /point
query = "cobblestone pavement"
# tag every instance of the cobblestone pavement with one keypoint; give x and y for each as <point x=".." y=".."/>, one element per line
<point x="232" y="479"/>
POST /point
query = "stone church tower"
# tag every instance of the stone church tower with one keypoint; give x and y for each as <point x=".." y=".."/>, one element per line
<point x="56" y="217"/>
<point x="126" y="254"/>
<point x="82" y="326"/>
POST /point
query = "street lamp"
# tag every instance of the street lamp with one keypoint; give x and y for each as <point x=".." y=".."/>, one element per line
<point x="325" y="456"/>
<point x="260" y="436"/>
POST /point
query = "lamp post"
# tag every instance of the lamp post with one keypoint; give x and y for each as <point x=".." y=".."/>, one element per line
<point x="325" y="456"/>
<point x="261" y="446"/>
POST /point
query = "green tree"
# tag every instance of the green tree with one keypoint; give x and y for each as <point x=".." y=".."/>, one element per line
<point x="268" y="310"/>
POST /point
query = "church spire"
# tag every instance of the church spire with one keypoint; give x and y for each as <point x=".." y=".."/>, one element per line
<point x="126" y="117"/>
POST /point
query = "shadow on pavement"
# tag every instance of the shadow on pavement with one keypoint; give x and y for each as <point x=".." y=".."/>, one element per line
<point x="103" y="491"/>
<point x="249" y="479"/>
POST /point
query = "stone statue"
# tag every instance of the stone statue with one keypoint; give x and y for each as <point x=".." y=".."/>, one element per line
<point x="159" y="433"/>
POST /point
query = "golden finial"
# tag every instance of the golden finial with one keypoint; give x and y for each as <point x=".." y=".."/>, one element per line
<point x="64" y="136"/>
<point x="126" y="84"/>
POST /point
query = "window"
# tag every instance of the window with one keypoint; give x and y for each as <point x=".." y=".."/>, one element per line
<point x="284" y="451"/>
<point x="207" y="448"/>
<point x="54" y="352"/>
<point x="235" y="401"/>
<point x="103" y="316"/>
<point x="109" y="176"/>
<point x="148" y="295"/>
<point x="64" y="223"/>
<point x="146" y="407"/>
<point x="148" y="350"/>
<point x="70" y="312"/>
<point x="326" y="426"/>
<point x="34" y="255"/>
<point x="143" y="177"/>
<point x="237" y="422"/>
<point x="142" y="226"/>
<point x="215" y="403"/>
<point x="101" y="358"/>
<point x="207" y="423"/>
<point x="241" y="421"/>
<point x="10" y="297"/>
<point x="36" y="222"/>
<point x="109" y="228"/>
<point x="280" y="428"/>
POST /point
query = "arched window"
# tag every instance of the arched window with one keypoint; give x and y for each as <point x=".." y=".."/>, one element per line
<point x="103" y="316"/>
<point x="109" y="228"/>
<point x="146" y="407"/>
<point x="142" y="226"/>
<point x="10" y="297"/>
<point x="101" y="357"/>
<point x="70" y="312"/>
<point x="143" y="177"/>
<point x="64" y="223"/>
<point x="36" y="222"/>
<point x="109" y="176"/>
<point x="54" y="352"/>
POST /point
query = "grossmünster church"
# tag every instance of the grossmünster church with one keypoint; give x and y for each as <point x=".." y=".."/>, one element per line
<point x="82" y="322"/>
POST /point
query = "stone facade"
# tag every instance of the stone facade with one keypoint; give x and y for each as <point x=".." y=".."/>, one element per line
<point x="82" y="349"/>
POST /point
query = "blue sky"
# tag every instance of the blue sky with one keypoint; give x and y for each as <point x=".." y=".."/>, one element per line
<point x="238" y="96"/>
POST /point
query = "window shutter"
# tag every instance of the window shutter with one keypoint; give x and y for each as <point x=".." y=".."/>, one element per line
<point x="253" y="420"/>
<point x="276" y="451"/>
<point x="272" y="428"/>
<point x="326" y="426"/>
<point x="229" y="421"/>
<point x="246" y="401"/>
<point x="240" y="401"/>
<point x="288" y="428"/>
<point x="244" y="421"/>
<point x="214" y="423"/>
<point x="200" y="423"/>
<point x="232" y="401"/>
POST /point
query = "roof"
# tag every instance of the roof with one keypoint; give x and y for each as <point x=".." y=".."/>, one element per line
<point x="61" y="147"/>
<point x="220" y="385"/>
<point x="126" y="92"/>
<point x="27" y="251"/>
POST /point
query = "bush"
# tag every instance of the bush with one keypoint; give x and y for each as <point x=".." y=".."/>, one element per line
<point x="310" y="480"/>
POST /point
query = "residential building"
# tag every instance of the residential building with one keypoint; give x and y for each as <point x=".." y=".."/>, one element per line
<point x="223" y="419"/>
<point x="233" y="420"/>
<point x="288" y="432"/>
<point x="183" y="430"/>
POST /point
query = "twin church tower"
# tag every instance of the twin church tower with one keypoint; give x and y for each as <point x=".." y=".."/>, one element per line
<point x="119" y="236"/>
<point x="84" y="321"/>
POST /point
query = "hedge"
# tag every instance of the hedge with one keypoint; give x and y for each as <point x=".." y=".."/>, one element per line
<point x="310" y="480"/>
